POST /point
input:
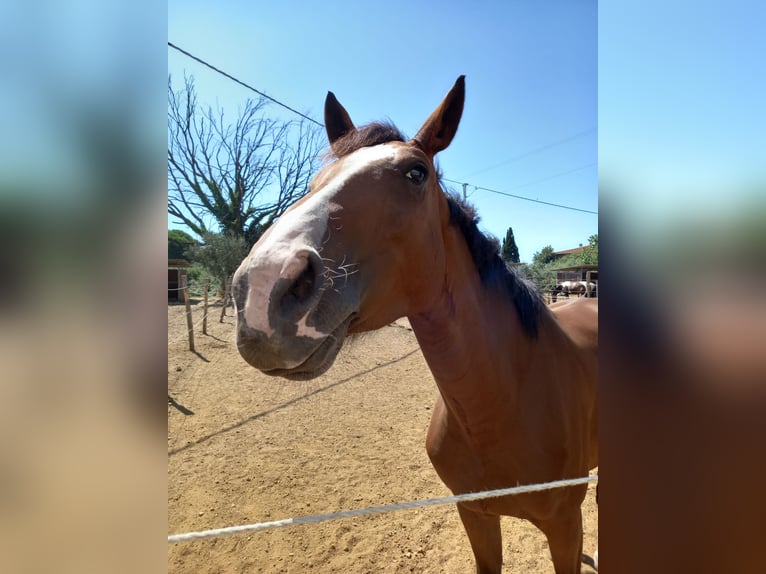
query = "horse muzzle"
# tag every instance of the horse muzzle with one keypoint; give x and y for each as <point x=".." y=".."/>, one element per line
<point x="304" y="362"/>
<point x="290" y="323"/>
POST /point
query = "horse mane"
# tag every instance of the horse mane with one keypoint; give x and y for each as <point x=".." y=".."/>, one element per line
<point x="493" y="270"/>
<point x="369" y="135"/>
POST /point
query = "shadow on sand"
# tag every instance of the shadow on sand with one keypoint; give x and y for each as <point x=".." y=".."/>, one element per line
<point x="288" y="403"/>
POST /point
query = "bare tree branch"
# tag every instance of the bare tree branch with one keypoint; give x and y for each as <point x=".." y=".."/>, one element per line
<point x="238" y="175"/>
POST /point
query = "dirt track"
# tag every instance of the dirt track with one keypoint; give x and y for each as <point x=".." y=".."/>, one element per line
<point x="258" y="449"/>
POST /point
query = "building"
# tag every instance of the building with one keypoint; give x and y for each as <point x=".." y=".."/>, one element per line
<point x="583" y="272"/>
<point x="176" y="277"/>
<point x="565" y="252"/>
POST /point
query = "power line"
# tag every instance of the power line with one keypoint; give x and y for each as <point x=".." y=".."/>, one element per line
<point x="534" y="183"/>
<point x="241" y="83"/>
<point x="532" y="152"/>
<point x="538" y="201"/>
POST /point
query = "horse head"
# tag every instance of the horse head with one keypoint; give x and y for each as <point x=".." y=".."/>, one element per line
<point x="359" y="250"/>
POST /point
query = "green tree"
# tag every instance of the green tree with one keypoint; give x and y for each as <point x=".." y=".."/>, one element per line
<point x="544" y="256"/>
<point x="543" y="275"/>
<point x="178" y="242"/>
<point x="541" y="271"/>
<point x="220" y="254"/>
<point x="510" y="252"/>
<point x="588" y="256"/>
<point x="590" y="252"/>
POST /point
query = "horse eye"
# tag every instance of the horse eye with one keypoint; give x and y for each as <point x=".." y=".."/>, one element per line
<point x="416" y="175"/>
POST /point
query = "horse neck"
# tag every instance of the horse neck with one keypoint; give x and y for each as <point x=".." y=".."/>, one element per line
<point x="472" y="338"/>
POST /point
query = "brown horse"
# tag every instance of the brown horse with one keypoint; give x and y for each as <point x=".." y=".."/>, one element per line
<point x="375" y="239"/>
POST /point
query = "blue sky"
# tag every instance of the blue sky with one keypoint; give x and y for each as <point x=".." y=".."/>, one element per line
<point x="530" y="122"/>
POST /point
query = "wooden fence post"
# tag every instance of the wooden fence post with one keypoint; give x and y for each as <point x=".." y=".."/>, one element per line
<point x="204" y="309"/>
<point x="189" y="322"/>
<point x="226" y="296"/>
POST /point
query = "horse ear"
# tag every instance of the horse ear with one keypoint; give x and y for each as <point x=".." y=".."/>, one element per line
<point x="337" y="122"/>
<point x="440" y="127"/>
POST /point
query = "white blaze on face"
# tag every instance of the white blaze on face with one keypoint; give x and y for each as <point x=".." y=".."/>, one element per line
<point x="299" y="229"/>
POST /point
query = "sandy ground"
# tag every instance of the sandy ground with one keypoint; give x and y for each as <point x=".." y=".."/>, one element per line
<point x="245" y="448"/>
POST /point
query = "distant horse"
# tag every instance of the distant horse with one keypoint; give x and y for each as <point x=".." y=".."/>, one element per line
<point x="579" y="288"/>
<point x="376" y="238"/>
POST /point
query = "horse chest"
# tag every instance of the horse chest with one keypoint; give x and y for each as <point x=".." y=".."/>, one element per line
<point x="466" y="453"/>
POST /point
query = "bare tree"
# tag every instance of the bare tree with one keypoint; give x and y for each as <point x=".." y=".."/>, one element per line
<point x="234" y="177"/>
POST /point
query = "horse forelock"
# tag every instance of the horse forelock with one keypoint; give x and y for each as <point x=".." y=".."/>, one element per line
<point x="493" y="271"/>
<point x="369" y="135"/>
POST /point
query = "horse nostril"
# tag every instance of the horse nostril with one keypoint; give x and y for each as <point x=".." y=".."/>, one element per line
<point x="301" y="288"/>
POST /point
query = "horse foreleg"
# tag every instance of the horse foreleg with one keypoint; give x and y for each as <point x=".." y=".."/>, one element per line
<point x="564" y="534"/>
<point x="486" y="540"/>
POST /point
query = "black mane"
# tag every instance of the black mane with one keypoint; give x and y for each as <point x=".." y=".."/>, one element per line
<point x="493" y="271"/>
